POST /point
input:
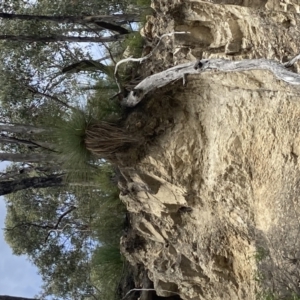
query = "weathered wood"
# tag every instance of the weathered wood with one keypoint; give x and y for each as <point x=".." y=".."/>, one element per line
<point x="25" y="157"/>
<point x="141" y="59"/>
<point x="11" y="186"/>
<point x="13" y="140"/>
<point x="163" y="78"/>
<point x="119" y="18"/>
<point x="4" y="297"/>
<point x="22" y="128"/>
<point x="56" y="38"/>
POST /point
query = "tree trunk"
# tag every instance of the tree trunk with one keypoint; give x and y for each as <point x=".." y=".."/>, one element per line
<point x="120" y="18"/>
<point x="4" y="297"/>
<point x="12" y="186"/>
<point x="24" y="157"/>
<point x="13" y="140"/>
<point x="22" y="128"/>
<point x="112" y="27"/>
<point x="57" y="38"/>
<point x="16" y="174"/>
<point x="89" y="65"/>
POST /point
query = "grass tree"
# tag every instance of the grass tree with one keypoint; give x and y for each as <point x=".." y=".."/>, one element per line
<point x="70" y="228"/>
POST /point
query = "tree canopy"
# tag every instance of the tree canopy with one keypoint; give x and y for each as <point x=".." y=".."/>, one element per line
<point x="60" y="129"/>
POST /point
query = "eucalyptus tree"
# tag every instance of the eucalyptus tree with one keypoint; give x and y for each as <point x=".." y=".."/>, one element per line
<point x="39" y="90"/>
<point x="37" y="44"/>
<point x="86" y="7"/>
<point x="59" y="230"/>
<point x="70" y="19"/>
<point x="37" y="77"/>
<point x="5" y="297"/>
<point x="63" y="38"/>
<point x="37" y="71"/>
<point x="54" y="229"/>
<point x="12" y="186"/>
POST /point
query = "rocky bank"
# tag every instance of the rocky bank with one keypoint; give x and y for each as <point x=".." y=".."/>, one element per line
<point x="214" y="196"/>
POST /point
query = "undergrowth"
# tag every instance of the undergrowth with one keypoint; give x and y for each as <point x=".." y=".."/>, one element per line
<point x="134" y="44"/>
<point x="260" y="256"/>
<point x="92" y="177"/>
<point x="85" y="140"/>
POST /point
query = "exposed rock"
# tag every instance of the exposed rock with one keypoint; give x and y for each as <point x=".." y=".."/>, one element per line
<point x="220" y="182"/>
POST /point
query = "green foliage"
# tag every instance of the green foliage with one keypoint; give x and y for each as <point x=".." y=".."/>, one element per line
<point x="66" y="259"/>
<point x="143" y="2"/>
<point x="110" y="219"/>
<point x="261" y="254"/>
<point x="86" y="7"/>
<point x="100" y="105"/>
<point x="78" y="254"/>
<point x="134" y="44"/>
<point x="108" y="268"/>
<point x="108" y="255"/>
<point x="107" y="262"/>
<point x="269" y="295"/>
<point x="275" y="293"/>
<point x="68" y="136"/>
<point x="294" y="297"/>
<point x="259" y="277"/>
<point x="265" y="295"/>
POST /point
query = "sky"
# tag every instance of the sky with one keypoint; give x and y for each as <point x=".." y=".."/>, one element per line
<point x="18" y="276"/>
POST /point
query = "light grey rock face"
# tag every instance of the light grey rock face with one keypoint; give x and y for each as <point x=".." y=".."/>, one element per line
<point x="222" y="182"/>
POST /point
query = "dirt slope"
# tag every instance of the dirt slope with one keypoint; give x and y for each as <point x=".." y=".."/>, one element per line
<point x="213" y="198"/>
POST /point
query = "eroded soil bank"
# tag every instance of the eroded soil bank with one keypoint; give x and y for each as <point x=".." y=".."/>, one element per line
<point x="213" y="198"/>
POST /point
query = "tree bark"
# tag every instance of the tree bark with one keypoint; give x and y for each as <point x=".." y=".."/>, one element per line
<point x="22" y="128"/>
<point x="112" y="27"/>
<point x="57" y="38"/>
<point x="120" y="18"/>
<point x="24" y="157"/>
<point x="13" y="140"/>
<point x="4" y="297"/>
<point x="88" y="65"/>
<point x="180" y="72"/>
<point x="11" y="186"/>
<point x="16" y="174"/>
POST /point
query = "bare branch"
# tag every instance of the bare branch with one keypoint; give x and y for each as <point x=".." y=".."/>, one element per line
<point x="27" y="224"/>
<point x="292" y="61"/>
<point x="140" y="60"/>
<point x="13" y="140"/>
<point x="161" y="79"/>
<point x="56" y="38"/>
<point x="54" y="98"/>
<point x="54" y="228"/>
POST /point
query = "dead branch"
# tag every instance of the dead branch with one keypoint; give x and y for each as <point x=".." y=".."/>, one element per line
<point x="54" y="228"/>
<point x="54" y="98"/>
<point x="140" y="60"/>
<point x="155" y="81"/>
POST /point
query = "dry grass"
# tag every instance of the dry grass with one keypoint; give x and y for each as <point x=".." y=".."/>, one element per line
<point x="279" y="247"/>
<point x="106" y="139"/>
